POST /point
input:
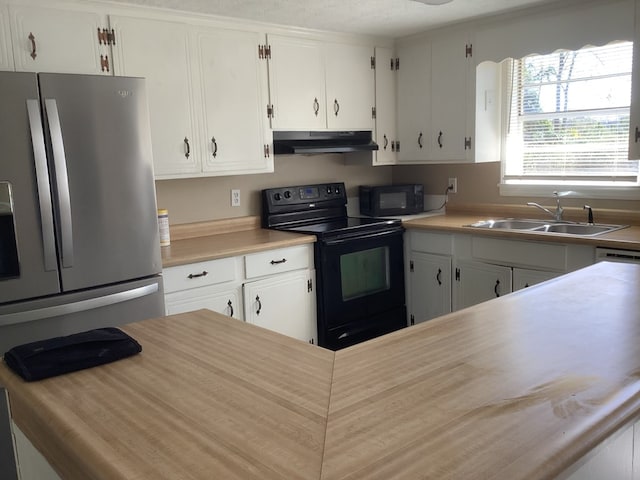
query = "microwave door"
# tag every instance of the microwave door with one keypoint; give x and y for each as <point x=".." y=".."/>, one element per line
<point x="28" y="265"/>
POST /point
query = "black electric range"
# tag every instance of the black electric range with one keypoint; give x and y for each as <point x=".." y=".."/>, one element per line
<point x="359" y="261"/>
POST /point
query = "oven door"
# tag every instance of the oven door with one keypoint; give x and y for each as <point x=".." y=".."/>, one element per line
<point x="361" y="289"/>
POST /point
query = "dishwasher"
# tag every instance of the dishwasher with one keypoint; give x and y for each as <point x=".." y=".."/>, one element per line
<point x="614" y="255"/>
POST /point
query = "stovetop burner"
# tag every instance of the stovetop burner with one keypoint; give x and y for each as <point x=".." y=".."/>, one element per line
<point x="343" y="225"/>
<point x="319" y="209"/>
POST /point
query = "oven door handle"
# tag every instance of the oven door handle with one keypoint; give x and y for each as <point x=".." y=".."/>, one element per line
<point x="352" y="238"/>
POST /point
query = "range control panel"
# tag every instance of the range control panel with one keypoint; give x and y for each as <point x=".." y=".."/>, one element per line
<point x="305" y="194"/>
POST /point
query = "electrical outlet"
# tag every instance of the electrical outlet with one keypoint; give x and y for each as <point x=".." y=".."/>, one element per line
<point x="235" y="197"/>
<point x="453" y="185"/>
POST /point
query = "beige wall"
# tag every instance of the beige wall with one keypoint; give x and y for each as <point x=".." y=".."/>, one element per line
<point x="201" y="199"/>
<point x="478" y="183"/>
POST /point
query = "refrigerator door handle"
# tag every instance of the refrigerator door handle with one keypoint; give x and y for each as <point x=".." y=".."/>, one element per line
<point x="80" y="306"/>
<point x="62" y="181"/>
<point x="42" y="181"/>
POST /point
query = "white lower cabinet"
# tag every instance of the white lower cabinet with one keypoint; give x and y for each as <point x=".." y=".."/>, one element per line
<point x="283" y="303"/>
<point x="225" y="299"/>
<point x="476" y="282"/>
<point x="214" y="284"/>
<point x="474" y="268"/>
<point x="430" y="286"/>
<point x="523" y="278"/>
<point x="274" y="289"/>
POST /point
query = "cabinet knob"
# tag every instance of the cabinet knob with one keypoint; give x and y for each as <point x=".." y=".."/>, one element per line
<point x="196" y="275"/>
<point x="278" y="262"/>
<point x="495" y="288"/>
<point x="439" y="276"/>
<point x="230" y="305"/>
<point x="336" y="106"/>
<point x="316" y="106"/>
<point x="440" y="139"/>
<point x="215" y="147"/>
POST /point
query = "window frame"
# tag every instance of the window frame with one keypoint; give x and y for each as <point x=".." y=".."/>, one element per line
<point x="619" y="190"/>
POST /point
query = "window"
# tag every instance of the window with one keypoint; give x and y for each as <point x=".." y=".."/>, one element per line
<point x="568" y="119"/>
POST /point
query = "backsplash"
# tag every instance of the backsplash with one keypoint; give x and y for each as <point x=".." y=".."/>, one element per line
<point x="202" y="199"/>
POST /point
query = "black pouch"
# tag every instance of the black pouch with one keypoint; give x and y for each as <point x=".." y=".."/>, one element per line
<point x="55" y="356"/>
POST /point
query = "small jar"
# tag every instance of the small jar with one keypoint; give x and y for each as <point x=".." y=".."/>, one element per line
<point x="163" y="227"/>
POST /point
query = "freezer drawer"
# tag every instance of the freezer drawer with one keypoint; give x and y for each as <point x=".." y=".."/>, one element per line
<point x="71" y="313"/>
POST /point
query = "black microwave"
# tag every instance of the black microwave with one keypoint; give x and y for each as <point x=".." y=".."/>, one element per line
<point x="389" y="200"/>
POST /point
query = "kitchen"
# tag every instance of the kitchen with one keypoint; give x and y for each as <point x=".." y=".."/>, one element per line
<point x="191" y="199"/>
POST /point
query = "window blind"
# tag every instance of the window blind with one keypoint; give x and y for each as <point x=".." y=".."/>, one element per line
<point x="569" y="116"/>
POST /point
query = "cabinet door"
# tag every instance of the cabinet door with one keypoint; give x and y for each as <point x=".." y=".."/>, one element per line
<point x="6" y="56"/>
<point x="430" y="286"/>
<point x="284" y="303"/>
<point x="63" y="41"/>
<point x="222" y="299"/>
<point x="350" y="87"/>
<point x="297" y="84"/>
<point x="523" y="278"/>
<point x="386" y="133"/>
<point x="414" y="102"/>
<point x="160" y="52"/>
<point x="476" y="282"/>
<point x="234" y="82"/>
<point x="449" y="98"/>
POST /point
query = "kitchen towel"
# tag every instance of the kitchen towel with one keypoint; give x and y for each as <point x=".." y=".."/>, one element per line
<point x="55" y="356"/>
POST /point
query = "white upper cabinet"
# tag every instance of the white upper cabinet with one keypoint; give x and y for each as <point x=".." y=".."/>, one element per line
<point x="297" y="85"/>
<point x="207" y="92"/>
<point x="234" y="101"/>
<point x="450" y="92"/>
<point x="385" y="131"/>
<point x="65" y="41"/>
<point x="160" y="52"/>
<point x="350" y="86"/>
<point x="6" y="57"/>
<point x="319" y="86"/>
<point x="414" y="101"/>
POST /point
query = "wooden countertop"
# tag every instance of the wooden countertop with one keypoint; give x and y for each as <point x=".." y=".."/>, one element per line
<point x="226" y="238"/>
<point x="627" y="238"/>
<point x="519" y="387"/>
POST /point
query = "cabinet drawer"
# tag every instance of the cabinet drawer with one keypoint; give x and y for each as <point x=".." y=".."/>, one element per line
<point x="199" y="274"/>
<point x="541" y="256"/>
<point x="277" y="261"/>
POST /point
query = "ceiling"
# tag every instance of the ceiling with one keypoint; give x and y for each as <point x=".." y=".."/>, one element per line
<point x="386" y="18"/>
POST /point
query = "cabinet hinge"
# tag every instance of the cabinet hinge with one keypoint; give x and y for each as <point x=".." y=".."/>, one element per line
<point x="373" y="112"/>
<point x="309" y="286"/>
<point x="264" y="51"/>
<point x="266" y="151"/>
<point x="104" y="63"/>
<point x="373" y="63"/>
<point x="467" y="143"/>
<point x="458" y="274"/>
<point x="397" y="145"/>
<point x="397" y="64"/>
<point x="270" y="111"/>
<point x="312" y="341"/>
<point x="411" y="266"/>
<point x="468" y="50"/>
<point x="393" y="145"/>
<point x="413" y="320"/>
<point x="106" y="37"/>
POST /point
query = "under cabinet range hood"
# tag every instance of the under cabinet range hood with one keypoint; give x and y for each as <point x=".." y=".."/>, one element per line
<point x="295" y="142"/>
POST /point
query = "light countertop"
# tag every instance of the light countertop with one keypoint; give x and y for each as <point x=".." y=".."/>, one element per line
<point x="520" y="387"/>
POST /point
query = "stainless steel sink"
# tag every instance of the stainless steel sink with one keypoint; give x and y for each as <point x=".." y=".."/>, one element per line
<point x="532" y="225"/>
<point x="510" y="224"/>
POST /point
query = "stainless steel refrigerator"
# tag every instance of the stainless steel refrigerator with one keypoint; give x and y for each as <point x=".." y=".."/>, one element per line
<point x="79" y="242"/>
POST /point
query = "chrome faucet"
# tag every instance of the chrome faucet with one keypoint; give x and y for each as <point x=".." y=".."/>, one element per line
<point x="557" y="215"/>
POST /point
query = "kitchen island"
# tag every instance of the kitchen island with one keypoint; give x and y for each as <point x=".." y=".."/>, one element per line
<point x="526" y="386"/>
